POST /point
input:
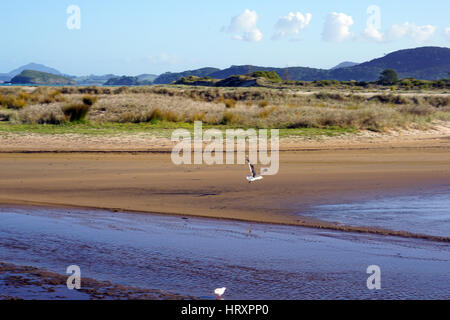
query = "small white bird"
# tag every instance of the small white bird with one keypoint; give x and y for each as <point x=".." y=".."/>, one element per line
<point x="254" y="176"/>
<point x="219" y="292"/>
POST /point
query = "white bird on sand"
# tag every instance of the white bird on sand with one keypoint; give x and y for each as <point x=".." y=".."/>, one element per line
<point x="219" y="292"/>
<point x="254" y="176"/>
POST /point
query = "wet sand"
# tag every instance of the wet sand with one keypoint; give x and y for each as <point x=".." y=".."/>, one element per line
<point x="135" y="173"/>
<point x="29" y="283"/>
<point x="150" y="182"/>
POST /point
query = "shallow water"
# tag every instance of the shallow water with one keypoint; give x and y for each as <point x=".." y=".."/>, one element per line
<point x="425" y="213"/>
<point x="194" y="256"/>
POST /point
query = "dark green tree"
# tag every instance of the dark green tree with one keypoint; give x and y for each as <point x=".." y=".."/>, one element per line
<point x="388" y="76"/>
<point x="270" y="75"/>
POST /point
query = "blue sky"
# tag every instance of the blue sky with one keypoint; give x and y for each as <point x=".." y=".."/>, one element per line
<point x="134" y="37"/>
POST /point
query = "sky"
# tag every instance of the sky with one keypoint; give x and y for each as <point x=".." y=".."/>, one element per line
<point x="81" y="37"/>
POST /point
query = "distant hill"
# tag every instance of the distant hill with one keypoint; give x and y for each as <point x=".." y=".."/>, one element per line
<point x="35" y="67"/>
<point x="127" y="81"/>
<point x="250" y="80"/>
<point x="240" y="70"/>
<point x="93" y="80"/>
<point x="40" y="78"/>
<point x="426" y="63"/>
<point x="291" y="73"/>
<point x="170" y="77"/>
<point x="345" y="64"/>
<point x="122" y="81"/>
<point x="147" y="77"/>
<point x="31" y="66"/>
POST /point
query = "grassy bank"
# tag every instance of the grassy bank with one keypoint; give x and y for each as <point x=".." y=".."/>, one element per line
<point x="91" y="110"/>
<point x="159" y="129"/>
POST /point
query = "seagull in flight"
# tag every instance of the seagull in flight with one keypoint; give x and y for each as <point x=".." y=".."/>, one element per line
<point x="253" y="177"/>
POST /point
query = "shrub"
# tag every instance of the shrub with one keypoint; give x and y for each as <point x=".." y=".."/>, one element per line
<point x="25" y="96"/>
<point x="332" y="96"/>
<point x="120" y="90"/>
<point x="390" y="98"/>
<point x="89" y="100"/>
<point x="199" y="116"/>
<point x="265" y="112"/>
<point x="270" y="75"/>
<point x="263" y="104"/>
<point x="417" y="110"/>
<point x="40" y="114"/>
<point x="75" y="111"/>
<point x="44" y="95"/>
<point x="438" y="102"/>
<point x="388" y="77"/>
<point x="12" y="102"/>
<point x="227" y="118"/>
<point x="78" y="111"/>
<point x="170" y="116"/>
<point x="156" y="115"/>
<point x="326" y="83"/>
<point x="18" y="103"/>
<point x="5" y="114"/>
<point x="230" y="103"/>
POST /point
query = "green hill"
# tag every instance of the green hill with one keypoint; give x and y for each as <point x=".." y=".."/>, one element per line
<point x="123" y="81"/>
<point x="345" y="64"/>
<point x="425" y="63"/>
<point x="127" y="81"/>
<point x="147" y="77"/>
<point x="41" y="78"/>
<point x="170" y="77"/>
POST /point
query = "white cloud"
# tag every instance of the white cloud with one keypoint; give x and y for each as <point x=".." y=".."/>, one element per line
<point x="447" y="33"/>
<point x="373" y="33"/>
<point x="416" y="33"/>
<point x="337" y="27"/>
<point x="291" y="25"/>
<point x="244" y="27"/>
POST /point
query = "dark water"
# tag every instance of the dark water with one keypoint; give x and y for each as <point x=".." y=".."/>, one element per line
<point x="194" y="256"/>
<point x="426" y="213"/>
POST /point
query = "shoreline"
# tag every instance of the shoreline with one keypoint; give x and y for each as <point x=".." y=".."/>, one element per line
<point x="302" y="221"/>
<point x="186" y="256"/>
<point x="312" y="172"/>
<point x="28" y="282"/>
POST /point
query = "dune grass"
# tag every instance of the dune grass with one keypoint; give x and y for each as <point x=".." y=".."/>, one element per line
<point x="91" y="110"/>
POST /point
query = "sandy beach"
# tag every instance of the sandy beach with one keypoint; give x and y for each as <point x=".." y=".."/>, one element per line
<point x="92" y="174"/>
<point x="53" y="183"/>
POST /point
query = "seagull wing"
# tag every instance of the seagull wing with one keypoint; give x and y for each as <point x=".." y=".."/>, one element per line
<point x="252" y="169"/>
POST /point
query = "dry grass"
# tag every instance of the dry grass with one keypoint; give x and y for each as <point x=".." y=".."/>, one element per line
<point x="46" y="106"/>
<point x="243" y="107"/>
<point x="40" y="114"/>
<point x="15" y="98"/>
